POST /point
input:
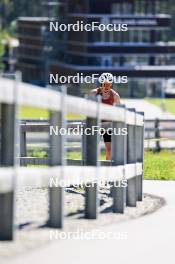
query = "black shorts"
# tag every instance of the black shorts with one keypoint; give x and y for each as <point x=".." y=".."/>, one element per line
<point x="107" y="137"/>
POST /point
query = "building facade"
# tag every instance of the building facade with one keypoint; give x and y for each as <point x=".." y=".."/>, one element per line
<point x="143" y="52"/>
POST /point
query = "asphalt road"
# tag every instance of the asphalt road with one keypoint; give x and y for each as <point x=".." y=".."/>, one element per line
<point x="149" y="239"/>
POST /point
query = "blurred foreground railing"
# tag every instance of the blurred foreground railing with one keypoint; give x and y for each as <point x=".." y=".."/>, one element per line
<point x="126" y="164"/>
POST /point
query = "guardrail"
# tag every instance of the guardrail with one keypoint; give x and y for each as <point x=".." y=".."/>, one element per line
<point x="127" y="154"/>
<point x="155" y="130"/>
<point x="160" y="129"/>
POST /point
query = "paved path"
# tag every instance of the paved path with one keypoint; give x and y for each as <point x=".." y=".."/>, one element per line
<point x="151" y="111"/>
<point x="151" y="239"/>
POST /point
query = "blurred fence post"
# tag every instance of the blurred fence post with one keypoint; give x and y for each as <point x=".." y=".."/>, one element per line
<point x="23" y="142"/>
<point x="83" y="145"/>
<point x="119" y="155"/>
<point x="92" y="159"/>
<point x="7" y="160"/>
<point x="131" y="197"/>
<point x="56" y="193"/>
<point x="157" y="135"/>
<point x="140" y="157"/>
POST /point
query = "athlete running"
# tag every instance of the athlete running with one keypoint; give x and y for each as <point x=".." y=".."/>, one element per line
<point x="110" y="97"/>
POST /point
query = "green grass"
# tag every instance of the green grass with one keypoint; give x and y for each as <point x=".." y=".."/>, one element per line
<point x="168" y="103"/>
<point x="159" y="166"/>
<point x="31" y="112"/>
<point x="77" y="155"/>
<point x="37" y="113"/>
<point x="38" y="153"/>
<point x="73" y="155"/>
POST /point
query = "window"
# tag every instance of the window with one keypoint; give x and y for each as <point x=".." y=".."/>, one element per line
<point x="142" y="60"/>
<point x="116" y="8"/>
<point x="95" y="61"/>
<point x="148" y="7"/>
<point x="139" y="7"/>
<point x="125" y="36"/>
<point x="117" y="36"/>
<point x="160" y="60"/>
<point x="115" y="61"/>
<point x="162" y="36"/>
<point x="95" y="36"/>
<point x="146" y="36"/>
<point x="106" y="61"/>
<point x="135" y="36"/>
<point x="158" y="7"/>
<point x="130" y="61"/>
<point x="126" y="8"/>
<point x="121" y="8"/>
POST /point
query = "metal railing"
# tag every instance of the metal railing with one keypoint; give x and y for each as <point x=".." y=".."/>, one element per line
<point x="127" y="154"/>
<point x="156" y="130"/>
<point x="160" y="134"/>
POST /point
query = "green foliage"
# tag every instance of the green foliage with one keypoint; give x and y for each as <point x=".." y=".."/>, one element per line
<point x="1" y="50"/>
<point x="12" y="9"/>
<point x="4" y="36"/>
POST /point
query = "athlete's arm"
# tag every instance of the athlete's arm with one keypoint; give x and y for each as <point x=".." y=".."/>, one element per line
<point x="116" y="98"/>
<point x="93" y="92"/>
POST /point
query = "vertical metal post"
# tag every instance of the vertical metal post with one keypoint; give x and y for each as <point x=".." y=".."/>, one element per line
<point x="119" y="158"/>
<point x="7" y="160"/>
<point x="56" y="194"/>
<point x="91" y="159"/>
<point x="23" y="143"/>
<point x="157" y="135"/>
<point x="83" y="146"/>
<point x="131" y="197"/>
<point x="140" y="157"/>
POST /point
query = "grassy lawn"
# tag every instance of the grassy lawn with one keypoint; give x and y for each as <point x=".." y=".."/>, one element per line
<point x="77" y="155"/>
<point x="169" y="103"/>
<point x="159" y="166"/>
<point x="30" y="112"/>
<point x="36" y="113"/>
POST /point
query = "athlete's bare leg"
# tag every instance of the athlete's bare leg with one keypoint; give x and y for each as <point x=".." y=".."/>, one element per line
<point x="108" y="150"/>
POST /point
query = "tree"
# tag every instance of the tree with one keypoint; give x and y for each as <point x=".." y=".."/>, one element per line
<point x="6" y="11"/>
<point x="12" y="9"/>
